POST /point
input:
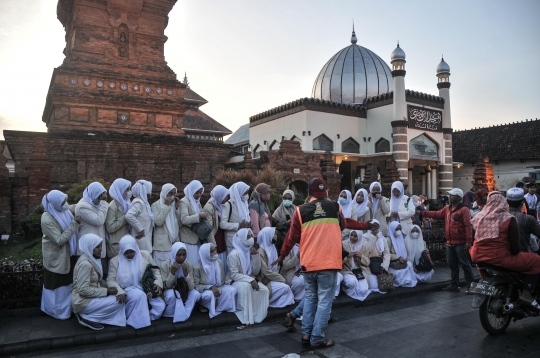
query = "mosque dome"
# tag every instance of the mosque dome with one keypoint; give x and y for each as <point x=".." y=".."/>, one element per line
<point x="443" y="68"/>
<point x="353" y="74"/>
<point x="398" y="54"/>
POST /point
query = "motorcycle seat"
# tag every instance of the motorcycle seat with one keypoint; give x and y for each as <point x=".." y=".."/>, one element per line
<point x="486" y="266"/>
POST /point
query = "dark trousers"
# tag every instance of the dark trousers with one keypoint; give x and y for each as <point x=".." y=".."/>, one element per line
<point x="457" y="255"/>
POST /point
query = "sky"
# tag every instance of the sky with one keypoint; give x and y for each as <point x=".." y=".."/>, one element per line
<point x="248" y="56"/>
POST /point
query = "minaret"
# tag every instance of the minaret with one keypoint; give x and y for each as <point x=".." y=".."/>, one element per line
<point x="446" y="176"/>
<point x="400" y="148"/>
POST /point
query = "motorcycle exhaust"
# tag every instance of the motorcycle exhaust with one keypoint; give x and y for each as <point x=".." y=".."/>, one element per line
<point x="509" y="308"/>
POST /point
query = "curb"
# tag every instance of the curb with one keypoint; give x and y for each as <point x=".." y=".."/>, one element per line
<point x="200" y="323"/>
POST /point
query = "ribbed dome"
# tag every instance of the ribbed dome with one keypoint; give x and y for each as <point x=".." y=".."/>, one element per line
<point x="353" y="74"/>
<point x="443" y="68"/>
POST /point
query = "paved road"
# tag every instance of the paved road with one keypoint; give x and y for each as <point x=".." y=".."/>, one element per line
<point x="439" y="324"/>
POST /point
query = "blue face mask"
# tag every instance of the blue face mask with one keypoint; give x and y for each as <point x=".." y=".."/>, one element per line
<point x="342" y="201"/>
<point x="287" y="203"/>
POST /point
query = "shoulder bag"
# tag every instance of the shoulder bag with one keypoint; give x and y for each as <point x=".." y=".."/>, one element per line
<point x="396" y="265"/>
<point x="375" y="264"/>
<point x="357" y="272"/>
<point x="425" y="264"/>
<point x="148" y="279"/>
<point x="202" y="229"/>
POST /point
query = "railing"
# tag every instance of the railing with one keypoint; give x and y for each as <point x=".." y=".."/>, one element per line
<point x="435" y="240"/>
<point x="21" y="284"/>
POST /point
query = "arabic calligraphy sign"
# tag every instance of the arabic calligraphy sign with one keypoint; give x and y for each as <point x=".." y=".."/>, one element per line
<point x="424" y="119"/>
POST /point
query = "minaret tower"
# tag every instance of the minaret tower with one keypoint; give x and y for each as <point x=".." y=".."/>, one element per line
<point x="399" y="121"/>
<point x="446" y="181"/>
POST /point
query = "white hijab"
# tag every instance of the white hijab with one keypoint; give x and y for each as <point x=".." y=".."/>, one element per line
<point x="211" y="268"/>
<point x="361" y="208"/>
<point x="87" y="244"/>
<point x="190" y="190"/>
<point x="374" y="202"/>
<point x="117" y="190"/>
<point x="414" y="247"/>
<point x="395" y="202"/>
<point x="92" y="192"/>
<point x="174" y="250"/>
<point x="397" y="241"/>
<point x="140" y="190"/>
<point x="243" y="251"/>
<point x="380" y="238"/>
<point x="358" y="245"/>
<point x="264" y="239"/>
<point x="237" y="190"/>
<point x="218" y="194"/>
<point x="347" y="208"/>
<point x="129" y="272"/>
<point x="52" y="203"/>
<point x="170" y="221"/>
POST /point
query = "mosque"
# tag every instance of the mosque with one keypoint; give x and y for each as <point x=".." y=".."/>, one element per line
<point x="361" y="113"/>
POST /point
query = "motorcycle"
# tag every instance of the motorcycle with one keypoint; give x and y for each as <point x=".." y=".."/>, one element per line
<point x="496" y="295"/>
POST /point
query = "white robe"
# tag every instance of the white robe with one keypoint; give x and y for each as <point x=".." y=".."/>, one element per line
<point x="137" y="312"/>
<point x="405" y="277"/>
<point x="282" y="295"/>
<point x="105" y="310"/>
<point x="357" y="289"/>
<point x="176" y="308"/>
<point x="57" y="303"/>
<point x="224" y="303"/>
<point x="424" y="277"/>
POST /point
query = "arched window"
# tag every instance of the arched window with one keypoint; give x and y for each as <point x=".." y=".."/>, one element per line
<point x="350" y="146"/>
<point x="274" y="145"/>
<point x="322" y="142"/>
<point x="256" y="153"/>
<point x="382" y="145"/>
<point x="295" y="138"/>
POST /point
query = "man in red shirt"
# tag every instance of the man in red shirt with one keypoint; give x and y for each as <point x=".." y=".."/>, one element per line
<point x="458" y="232"/>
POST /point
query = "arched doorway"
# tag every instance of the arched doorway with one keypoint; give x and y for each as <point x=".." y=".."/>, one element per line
<point x="299" y="186"/>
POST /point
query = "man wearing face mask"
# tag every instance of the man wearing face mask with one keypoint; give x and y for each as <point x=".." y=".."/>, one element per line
<point x="317" y="227"/>
<point x="259" y="211"/>
<point x="281" y="218"/>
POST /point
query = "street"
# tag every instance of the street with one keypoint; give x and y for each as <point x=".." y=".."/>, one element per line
<point x="438" y="324"/>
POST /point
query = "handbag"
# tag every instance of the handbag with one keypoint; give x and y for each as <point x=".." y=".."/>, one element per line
<point x="357" y="272"/>
<point x="385" y="281"/>
<point x="148" y="279"/>
<point x="396" y="265"/>
<point x="425" y="263"/>
<point x="375" y="264"/>
<point x="202" y="229"/>
<point x="181" y="286"/>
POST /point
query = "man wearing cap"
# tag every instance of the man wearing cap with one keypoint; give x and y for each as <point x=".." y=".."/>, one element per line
<point x="458" y="232"/>
<point x="317" y="227"/>
<point x="526" y="223"/>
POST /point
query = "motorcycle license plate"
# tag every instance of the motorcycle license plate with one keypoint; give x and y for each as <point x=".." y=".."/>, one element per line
<point x="482" y="288"/>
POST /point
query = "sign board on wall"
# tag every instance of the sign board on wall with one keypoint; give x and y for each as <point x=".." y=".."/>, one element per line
<point x="424" y="119"/>
<point x="423" y="147"/>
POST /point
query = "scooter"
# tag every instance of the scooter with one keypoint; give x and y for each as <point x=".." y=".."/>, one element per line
<point x="496" y="295"/>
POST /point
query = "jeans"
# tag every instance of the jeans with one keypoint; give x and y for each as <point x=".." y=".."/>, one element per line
<point x="320" y="289"/>
<point x="299" y="310"/>
<point x="458" y="255"/>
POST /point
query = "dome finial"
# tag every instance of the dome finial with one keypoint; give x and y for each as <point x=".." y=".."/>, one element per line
<point x="397" y="43"/>
<point x="353" y="37"/>
<point x="442" y="57"/>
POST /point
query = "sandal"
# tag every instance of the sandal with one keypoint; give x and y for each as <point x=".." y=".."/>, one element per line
<point x="203" y="309"/>
<point x="451" y="288"/>
<point x="242" y="327"/>
<point x="332" y="320"/>
<point x="304" y="340"/>
<point x="325" y="343"/>
<point x="290" y="323"/>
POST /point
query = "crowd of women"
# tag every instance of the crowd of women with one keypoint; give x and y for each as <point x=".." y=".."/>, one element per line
<point x="129" y="262"/>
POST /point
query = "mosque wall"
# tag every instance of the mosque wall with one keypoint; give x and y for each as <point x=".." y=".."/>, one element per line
<point x="377" y="126"/>
<point x="291" y="125"/>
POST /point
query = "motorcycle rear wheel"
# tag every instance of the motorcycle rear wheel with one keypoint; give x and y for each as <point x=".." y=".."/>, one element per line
<point x="490" y="322"/>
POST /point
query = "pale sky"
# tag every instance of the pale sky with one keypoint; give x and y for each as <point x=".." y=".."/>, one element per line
<point x="247" y="56"/>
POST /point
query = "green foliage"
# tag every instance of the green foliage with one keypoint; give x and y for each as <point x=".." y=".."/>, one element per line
<point x="299" y="199"/>
<point x="76" y="192"/>
<point x="31" y="225"/>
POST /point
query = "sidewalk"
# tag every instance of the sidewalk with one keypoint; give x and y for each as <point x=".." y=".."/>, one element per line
<point x="30" y="330"/>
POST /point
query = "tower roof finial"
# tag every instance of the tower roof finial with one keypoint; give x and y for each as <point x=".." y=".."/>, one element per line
<point x="353" y="37"/>
<point x="185" y="81"/>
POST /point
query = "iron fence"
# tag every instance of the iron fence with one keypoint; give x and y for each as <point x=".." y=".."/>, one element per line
<point x="21" y="284"/>
<point x="436" y="240"/>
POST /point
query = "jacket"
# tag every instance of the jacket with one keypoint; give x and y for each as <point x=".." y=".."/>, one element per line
<point x="289" y="267"/>
<point x="146" y="260"/>
<point x="116" y="226"/>
<point x="93" y="221"/>
<point x="201" y="280"/>
<point x="139" y="220"/>
<point x="212" y="220"/>
<point x="55" y="244"/>
<point x="457" y="223"/>
<point x="383" y="209"/>
<point x="86" y="284"/>
<point x="170" y="279"/>
<point x="230" y="222"/>
<point x="162" y="240"/>
<point x="188" y="217"/>
<point x="235" y="271"/>
<point x="317" y="227"/>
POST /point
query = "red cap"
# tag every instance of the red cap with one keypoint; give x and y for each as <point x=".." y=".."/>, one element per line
<point x="317" y="188"/>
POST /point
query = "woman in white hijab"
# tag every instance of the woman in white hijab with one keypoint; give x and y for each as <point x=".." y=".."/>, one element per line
<point x="348" y="209"/>
<point x="404" y="277"/>
<point x="140" y="215"/>
<point x="209" y="279"/>
<point x="214" y="208"/>
<point x="354" y="288"/>
<point x="125" y="274"/>
<point x="167" y="217"/>
<point x="191" y="213"/>
<point x="415" y="245"/>
<point x="281" y="294"/>
<point x="244" y="264"/>
<point x="115" y="223"/>
<point x="179" y="275"/>
<point x="92" y="208"/>
<point x="402" y="208"/>
<point x="59" y="247"/>
<point x="235" y="213"/>
<point x="93" y="303"/>
<point x="360" y="203"/>
<point x="374" y="245"/>
<point x="378" y="205"/>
